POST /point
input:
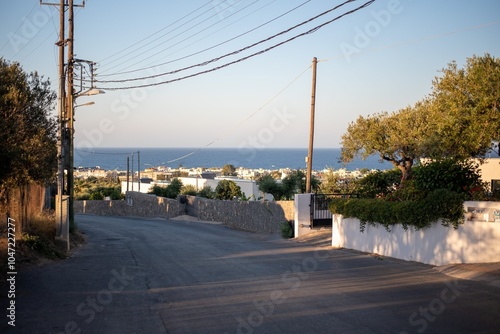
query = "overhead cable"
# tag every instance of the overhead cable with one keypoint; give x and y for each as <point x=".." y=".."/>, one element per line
<point x="146" y="38"/>
<point x="252" y="45"/>
<point x="216" y="45"/>
<point x="236" y="61"/>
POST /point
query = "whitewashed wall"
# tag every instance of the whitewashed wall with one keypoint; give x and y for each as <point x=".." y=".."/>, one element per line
<point x="302" y="221"/>
<point x="473" y="242"/>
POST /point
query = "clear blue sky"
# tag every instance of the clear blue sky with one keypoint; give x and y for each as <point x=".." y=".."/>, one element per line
<point x="381" y="58"/>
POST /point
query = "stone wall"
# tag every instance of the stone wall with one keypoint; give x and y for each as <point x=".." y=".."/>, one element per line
<point x="136" y="204"/>
<point x="253" y="216"/>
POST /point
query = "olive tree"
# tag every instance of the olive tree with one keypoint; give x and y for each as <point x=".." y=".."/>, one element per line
<point x="460" y="119"/>
<point x="396" y="137"/>
<point x="466" y="109"/>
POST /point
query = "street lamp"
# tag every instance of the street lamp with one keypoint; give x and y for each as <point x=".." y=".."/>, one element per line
<point x="90" y="92"/>
<point x="85" y="104"/>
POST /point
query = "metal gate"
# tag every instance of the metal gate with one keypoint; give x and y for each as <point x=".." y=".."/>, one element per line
<point x="321" y="216"/>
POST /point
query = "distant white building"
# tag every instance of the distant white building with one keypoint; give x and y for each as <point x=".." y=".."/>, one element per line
<point x="248" y="187"/>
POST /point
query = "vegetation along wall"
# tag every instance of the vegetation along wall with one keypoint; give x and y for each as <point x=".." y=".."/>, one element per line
<point x="475" y="241"/>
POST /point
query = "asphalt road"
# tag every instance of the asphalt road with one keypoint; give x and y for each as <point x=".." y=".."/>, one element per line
<point x="158" y="276"/>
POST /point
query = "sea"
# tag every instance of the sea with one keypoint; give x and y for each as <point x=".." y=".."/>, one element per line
<point x="110" y="158"/>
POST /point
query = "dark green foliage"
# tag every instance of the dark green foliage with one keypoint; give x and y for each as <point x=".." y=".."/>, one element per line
<point x="267" y="184"/>
<point x="227" y="190"/>
<point x="94" y="188"/>
<point x="286" y="230"/>
<point x="378" y="184"/>
<point x="27" y="131"/>
<point x="170" y="191"/>
<point x="188" y="190"/>
<point x="459" y="176"/>
<point x="207" y="192"/>
<point x="229" y="170"/>
<point x="439" y="204"/>
<point x="294" y="183"/>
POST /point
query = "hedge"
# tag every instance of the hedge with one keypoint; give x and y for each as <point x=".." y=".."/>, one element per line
<point x="441" y="204"/>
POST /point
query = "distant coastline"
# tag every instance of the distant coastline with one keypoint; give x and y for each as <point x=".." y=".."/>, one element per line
<point x="111" y="158"/>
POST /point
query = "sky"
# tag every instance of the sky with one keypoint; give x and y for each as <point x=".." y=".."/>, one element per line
<point x="383" y="57"/>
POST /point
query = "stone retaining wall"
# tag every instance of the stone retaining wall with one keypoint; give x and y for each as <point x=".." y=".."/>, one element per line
<point x="253" y="216"/>
<point x="136" y="204"/>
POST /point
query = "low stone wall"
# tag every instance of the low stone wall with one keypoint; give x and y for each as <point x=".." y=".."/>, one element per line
<point x="253" y="216"/>
<point x="136" y="204"/>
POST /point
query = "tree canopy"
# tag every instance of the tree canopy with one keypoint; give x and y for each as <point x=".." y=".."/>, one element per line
<point x="227" y="190"/>
<point x="229" y="170"/>
<point x="459" y="119"/>
<point x="27" y="131"/>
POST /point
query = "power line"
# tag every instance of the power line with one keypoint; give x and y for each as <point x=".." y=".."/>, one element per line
<point x="144" y="39"/>
<point x="229" y="133"/>
<point x="236" y="61"/>
<point x="185" y="39"/>
<point x="154" y="47"/>
<point x="240" y="50"/>
<point x="216" y="45"/>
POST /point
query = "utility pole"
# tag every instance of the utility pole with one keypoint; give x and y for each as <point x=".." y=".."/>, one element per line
<point x="128" y="170"/>
<point x="65" y="124"/>
<point x="311" y="128"/>
<point x="132" y="171"/>
<point x="139" y="169"/>
<point x="61" y="108"/>
<point x="71" y="113"/>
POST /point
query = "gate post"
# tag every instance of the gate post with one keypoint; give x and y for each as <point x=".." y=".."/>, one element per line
<point x="302" y="222"/>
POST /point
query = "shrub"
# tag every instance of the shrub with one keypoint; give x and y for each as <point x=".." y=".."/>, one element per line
<point x="170" y="191"/>
<point x="286" y="230"/>
<point x="188" y="190"/>
<point x="462" y="177"/>
<point x="207" y="192"/>
<point x="439" y="204"/>
<point x="378" y="184"/>
<point x="227" y="190"/>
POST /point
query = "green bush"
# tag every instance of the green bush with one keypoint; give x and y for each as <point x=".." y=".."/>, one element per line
<point x="227" y="190"/>
<point x="286" y="230"/>
<point x="439" y="204"/>
<point x="378" y="184"/>
<point x="462" y="177"/>
<point x="188" y="190"/>
<point x="170" y="191"/>
<point x="207" y="192"/>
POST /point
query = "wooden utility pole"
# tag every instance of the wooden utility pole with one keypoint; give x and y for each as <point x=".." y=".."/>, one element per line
<point x="65" y="122"/>
<point x="61" y="111"/>
<point x="139" y="170"/>
<point x="311" y="128"/>
<point x="70" y="116"/>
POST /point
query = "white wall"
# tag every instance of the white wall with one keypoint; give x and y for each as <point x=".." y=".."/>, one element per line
<point x="302" y="221"/>
<point x="135" y="187"/>
<point x="473" y="242"/>
<point x="249" y="187"/>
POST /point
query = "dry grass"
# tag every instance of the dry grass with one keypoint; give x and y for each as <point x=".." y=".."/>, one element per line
<point x="37" y="244"/>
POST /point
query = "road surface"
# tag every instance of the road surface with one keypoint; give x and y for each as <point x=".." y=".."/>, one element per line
<point x="165" y="276"/>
